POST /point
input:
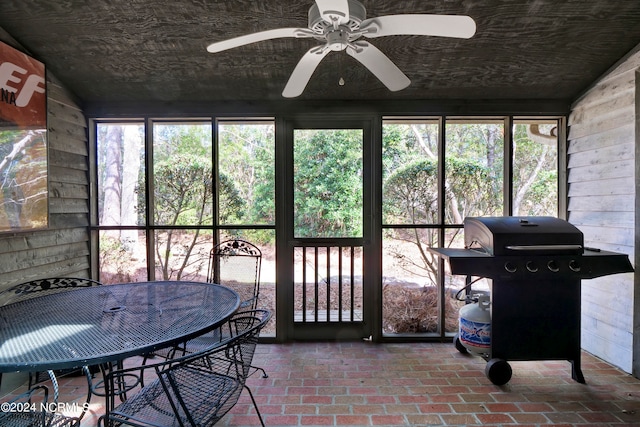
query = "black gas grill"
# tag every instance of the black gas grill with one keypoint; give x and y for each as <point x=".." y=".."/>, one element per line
<point x="536" y="265"/>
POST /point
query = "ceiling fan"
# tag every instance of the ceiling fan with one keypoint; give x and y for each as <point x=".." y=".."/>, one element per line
<point x="339" y="25"/>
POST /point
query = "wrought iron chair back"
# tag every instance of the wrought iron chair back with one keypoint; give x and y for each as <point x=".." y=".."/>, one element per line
<point x="197" y="389"/>
<point x="236" y="264"/>
<point x="39" y="287"/>
<point x="32" y="409"/>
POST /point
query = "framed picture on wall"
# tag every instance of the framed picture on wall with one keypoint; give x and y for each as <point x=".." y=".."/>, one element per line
<point x="23" y="142"/>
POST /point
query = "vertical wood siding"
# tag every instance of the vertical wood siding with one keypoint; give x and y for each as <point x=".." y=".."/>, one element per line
<point x="601" y="175"/>
<point x="63" y="248"/>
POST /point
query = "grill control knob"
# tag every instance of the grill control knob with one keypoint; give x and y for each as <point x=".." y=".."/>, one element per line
<point x="510" y="267"/>
<point x="574" y="265"/>
<point x="553" y="266"/>
<point x="532" y="267"/>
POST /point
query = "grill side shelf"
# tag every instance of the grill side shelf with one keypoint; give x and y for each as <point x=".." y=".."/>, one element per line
<point x="603" y="263"/>
<point x="590" y="265"/>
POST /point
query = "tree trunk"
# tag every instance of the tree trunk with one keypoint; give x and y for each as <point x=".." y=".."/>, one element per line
<point x="111" y="208"/>
<point x="130" y="171"/>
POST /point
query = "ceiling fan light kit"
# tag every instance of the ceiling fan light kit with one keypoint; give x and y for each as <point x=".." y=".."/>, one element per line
<point x="339" y="25"/>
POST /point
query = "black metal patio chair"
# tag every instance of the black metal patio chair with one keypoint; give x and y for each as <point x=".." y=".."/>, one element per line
<point x="197" y="389"/>
<point x="32" y="409"/>
<point x="235" y="264"/>
<point x="39" y="287"/>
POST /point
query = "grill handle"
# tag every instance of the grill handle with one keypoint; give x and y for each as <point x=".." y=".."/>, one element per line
<point x="543" y="248"/>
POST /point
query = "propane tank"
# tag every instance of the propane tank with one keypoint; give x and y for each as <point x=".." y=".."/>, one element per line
<point x="475" y="326"/>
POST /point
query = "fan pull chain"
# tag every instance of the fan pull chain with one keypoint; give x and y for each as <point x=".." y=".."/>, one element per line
<point x="340" y="80"/>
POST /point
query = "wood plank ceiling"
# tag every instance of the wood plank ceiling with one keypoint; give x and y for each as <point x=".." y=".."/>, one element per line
<point x="144" y="51"/>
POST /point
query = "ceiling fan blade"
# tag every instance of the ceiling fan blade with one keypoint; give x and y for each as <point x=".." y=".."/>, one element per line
<point x="258" y="37"/>
<point x="303" y="72"/>
<point x="334" y="11"/>
<point x="380" y="65"/>
<point x="459" y="26"/>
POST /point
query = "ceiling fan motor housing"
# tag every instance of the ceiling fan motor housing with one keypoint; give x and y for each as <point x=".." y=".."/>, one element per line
<point x="319" y="25"/>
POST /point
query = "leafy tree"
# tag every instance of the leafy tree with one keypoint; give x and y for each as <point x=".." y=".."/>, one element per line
<point x="183" y="194"/>
<point x="183" y="190"/>
<point x="535" y="171"/>
<point x="411" y="197"/>
<point x="469" y="190"/>
<point x="482" y="144"/>
<point x="411" y="193"/>
<point x="328" y="183"/>
<point x="246" y="157"/>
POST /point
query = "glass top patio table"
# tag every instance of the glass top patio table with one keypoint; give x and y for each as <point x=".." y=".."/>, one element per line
<point x="101" y="324"/>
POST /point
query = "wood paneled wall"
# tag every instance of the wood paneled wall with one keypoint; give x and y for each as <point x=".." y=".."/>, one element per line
<point x="602" y="191"/>
<point x="63" y="248"/>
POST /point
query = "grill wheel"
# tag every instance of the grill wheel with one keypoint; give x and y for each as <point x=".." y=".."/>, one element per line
<point x="498" y="371"/>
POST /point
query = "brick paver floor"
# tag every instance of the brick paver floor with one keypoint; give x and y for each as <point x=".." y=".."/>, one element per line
<point x="417" y="384"/>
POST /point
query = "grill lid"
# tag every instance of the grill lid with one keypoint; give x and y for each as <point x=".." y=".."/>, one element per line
<point x="522" y="235"/>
